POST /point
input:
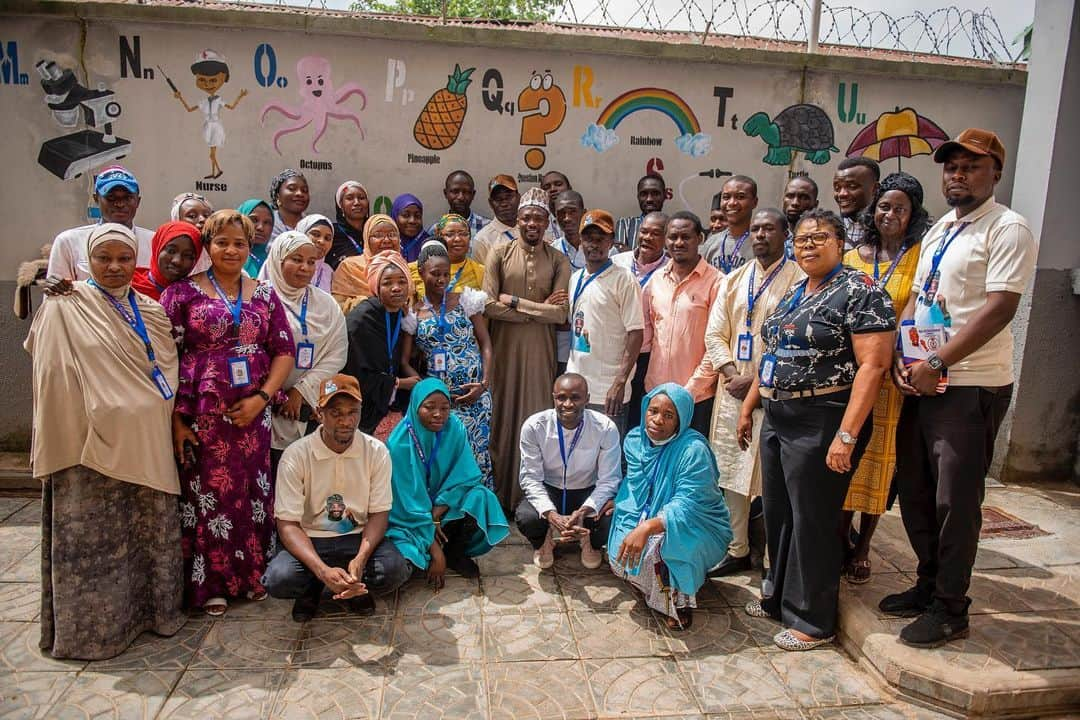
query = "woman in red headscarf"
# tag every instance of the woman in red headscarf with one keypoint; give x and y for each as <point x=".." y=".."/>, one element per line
<point x="173" y="252"/>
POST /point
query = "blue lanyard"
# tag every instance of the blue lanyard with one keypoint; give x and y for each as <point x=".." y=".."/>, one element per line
<point x="454" y="282"/>
<point x="652" y="483"/>
<point x="426" y="460"/>
<point x="442" y="325"/>
<point x="579" y="288"/>
<point x="569" y="256"/>
<point x="408" y="245"/>
<point x="359" y="249"/>
<point x="133" y="319"/>
<point x="649" y="274"/>
<point x="234" y="308"/>
<point x="727" y="261"/>
<point x="567" y="455"/>
<point x="938" y="254"/>
<point x="159" y="286"/>
<point x="509" y="234"/>
<point x="796" y="299"/>
<point x="883" y="281"/>
<point x="391" y="339"/>
<point x="752" y="297"/>
<point x="302" y="317"/>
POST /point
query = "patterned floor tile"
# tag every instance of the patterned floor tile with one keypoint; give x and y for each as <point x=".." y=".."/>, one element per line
<point x="824" y="677"/>
<point x="268" y="609"/>
<point x="741" y="681"/>
<point x="515" y="537"/>
<point x="14" y="548"/>
<point x="438" y="639"/>
<point x="337" y="642"/>
<point x="509" y="560"/>
<point x="531" y="593"/>
<point x="616" y="635"/>
<point x="248" y="644"/>
<point x="417" y="692"/>
<point x="1039" y="590"/>
<point x="599" y="593"/>
<point x="19" y="650"/>
<point x="29" y="695"/>
<point x="10" y="505"/>
<point x="739" y="589"/>
<point x="759" y="714"/>
<point x="223" y="694"/>
<point x="328" y="694"/>
<point x="29" y="515"/>
<point x="875" y="712"/>
<point x="153" y="652"/>
<point x="713" y="632"/>
<point x="459" y="597"/>
<point x="632" y="687"/>
<point x="123" y="695"/>
<point x="20" y="602"/>
<point x="528" y="636"/>
<point x="568" y="562"/>
<point x="26" y="568"/>
<point x="539" y="691"/>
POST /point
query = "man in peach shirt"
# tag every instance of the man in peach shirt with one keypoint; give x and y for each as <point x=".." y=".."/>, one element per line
<point x="677" y="303"/>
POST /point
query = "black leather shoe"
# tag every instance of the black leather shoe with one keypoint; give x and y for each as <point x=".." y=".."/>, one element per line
<point x="730" y="565"/>
<point x="464" y="566"/>
<point x="361" y="604"/>
<point x="935" y="627"/>
<point x="304" y="608"/>
<point x="910" y="603"/>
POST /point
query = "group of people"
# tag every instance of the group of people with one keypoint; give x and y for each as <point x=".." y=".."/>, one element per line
<point x="339" y="403"/>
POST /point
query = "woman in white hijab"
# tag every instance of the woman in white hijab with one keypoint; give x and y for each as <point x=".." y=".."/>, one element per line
<point x="318" y="326"/>
<point x="104" y="371"/>
<point x="320" y="231"/>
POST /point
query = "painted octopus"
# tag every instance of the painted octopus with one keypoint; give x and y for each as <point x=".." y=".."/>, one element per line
<point x="319" y="101"/>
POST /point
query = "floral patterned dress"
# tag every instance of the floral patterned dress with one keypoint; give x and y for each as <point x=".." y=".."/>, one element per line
<point x="464" y="365"/>
<point x="227" y="500"/>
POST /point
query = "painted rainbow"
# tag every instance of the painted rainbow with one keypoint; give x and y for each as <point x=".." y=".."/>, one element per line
<point x="663" y="101"/>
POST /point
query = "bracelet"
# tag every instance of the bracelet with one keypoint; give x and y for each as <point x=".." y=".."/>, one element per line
<point x="437" y="522"/>
<point x="263" y="395"/>
<point x="514" y="302"/>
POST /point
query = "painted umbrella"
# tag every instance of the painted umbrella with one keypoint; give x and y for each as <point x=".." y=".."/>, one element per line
<point x="899" y="134"/>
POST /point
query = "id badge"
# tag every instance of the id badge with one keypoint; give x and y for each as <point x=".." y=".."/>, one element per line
<point x="746" y="348"/>
<point x="239" y="371"/>
<point x="305" y="355"/>
<point x="438" y="361"/>
<point x="162" y="383"/>
<point x="768" y="367"/>
<point x="643" y="516"/>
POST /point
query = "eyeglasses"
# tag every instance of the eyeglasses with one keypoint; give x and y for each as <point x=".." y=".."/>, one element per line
<point x="813" y="239"/>
<point x="384" y="235"/>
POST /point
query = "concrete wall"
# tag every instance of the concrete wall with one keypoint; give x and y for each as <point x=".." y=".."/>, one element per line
<point x="677" y="109"/>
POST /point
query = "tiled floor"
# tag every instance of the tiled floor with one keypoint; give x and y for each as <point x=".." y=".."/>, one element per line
<point x="517" y="644"/>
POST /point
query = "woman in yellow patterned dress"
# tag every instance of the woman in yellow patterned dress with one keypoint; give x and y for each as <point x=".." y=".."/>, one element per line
<point x="895" y="223"/>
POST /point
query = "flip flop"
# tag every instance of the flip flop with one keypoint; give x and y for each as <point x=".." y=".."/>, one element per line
<point x="215" y="607"/>
<point x="786" y="640"/>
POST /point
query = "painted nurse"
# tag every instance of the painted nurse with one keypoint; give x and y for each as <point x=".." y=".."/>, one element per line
<point x="211" y="73"/>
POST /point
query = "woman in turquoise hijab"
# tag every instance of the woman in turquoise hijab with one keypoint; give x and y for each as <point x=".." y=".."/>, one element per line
<point x="670" y="524"/>
<point x="262" y="217"/>
<point x="442" y="514"/>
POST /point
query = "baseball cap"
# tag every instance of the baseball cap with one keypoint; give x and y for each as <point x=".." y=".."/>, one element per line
<point x="338" y="385"/>
<point x="600" y="218"/>
<point x="505" y="181"/>
<point x="115" y="176"/>
<point x="974" y="140"/>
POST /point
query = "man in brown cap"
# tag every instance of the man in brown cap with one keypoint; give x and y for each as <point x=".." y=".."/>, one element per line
<point x="974" y="265"/>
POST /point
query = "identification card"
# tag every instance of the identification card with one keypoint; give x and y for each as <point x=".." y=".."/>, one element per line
<point x="438" y="361"/>
<point x="239" y="371"/>
<point x="643" y="516"/>
<point x="746" y="348"/>
<point x="768" y="367"/>
<point x="162" y="383"/>
<point x="305" y="355"/>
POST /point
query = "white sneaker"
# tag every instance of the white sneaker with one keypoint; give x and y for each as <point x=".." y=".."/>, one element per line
<point x="591" y="558"/>
<point x="544" y="557"/>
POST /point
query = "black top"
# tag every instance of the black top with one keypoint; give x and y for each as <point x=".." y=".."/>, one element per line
<point x="812" y="342"/>
<point x="348" y="241"/>
<point x="371" y="362"/>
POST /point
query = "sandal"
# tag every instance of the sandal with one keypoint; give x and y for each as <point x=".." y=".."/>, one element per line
<point x="257" y="595"/>
<point x="754" y="609"/>
<point x="215" y="607"/>
<point x="858" y="572"/>
<point x="786" y="640"/>
<point x="683" y="621"/>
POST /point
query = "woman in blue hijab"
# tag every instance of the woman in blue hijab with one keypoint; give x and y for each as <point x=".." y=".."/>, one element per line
<point x="442" y="514"/>
<point x="408" y="213"/>
<point x="671" y="524"/>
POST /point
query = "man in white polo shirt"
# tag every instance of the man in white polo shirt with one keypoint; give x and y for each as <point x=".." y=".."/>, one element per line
<point x="332" y="507"/>
<point x="974" y="265"/>
<point x="606" y="320"/>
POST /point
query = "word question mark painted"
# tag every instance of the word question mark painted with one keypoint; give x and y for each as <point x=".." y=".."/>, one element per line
<point x="266" y="67"/>
<point x="549" y="103"/>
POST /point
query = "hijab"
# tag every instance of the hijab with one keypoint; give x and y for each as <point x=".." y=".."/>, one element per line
<point x="677" y="478"/>
<point x="150" y="281"/>
<point x="410" y="246"/>
<point x="454" y="480"/>
<point x="383" y="262"/>
<point x="179" y="200"/>
<point x="348" y="241"/>
<point x="323" y="273"/>
<point x="258" y="253"/>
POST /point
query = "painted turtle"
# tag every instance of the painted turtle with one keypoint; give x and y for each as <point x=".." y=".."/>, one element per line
<point x="798" y="128"/>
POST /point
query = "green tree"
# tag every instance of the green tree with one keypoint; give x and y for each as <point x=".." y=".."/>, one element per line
<point x="487" y="9"/>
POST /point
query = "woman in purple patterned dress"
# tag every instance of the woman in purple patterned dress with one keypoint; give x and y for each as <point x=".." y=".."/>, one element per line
<point x="235" y="354"/>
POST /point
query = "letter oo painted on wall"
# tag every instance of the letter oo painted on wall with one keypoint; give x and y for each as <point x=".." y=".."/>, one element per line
<point x="549" y="103"/>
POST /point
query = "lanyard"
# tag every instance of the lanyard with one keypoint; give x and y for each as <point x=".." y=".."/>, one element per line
<point x="567" y="455"/>
<point x="442" y="325"/>
<point x="454" y="282"/>
<point x="426" y="460"/>
<point x="509" y="235"/>
<point x="570" y="255"/>
<point x="133" y="319"/>
<point x="752" y="297"/>
<point x="938" y="254"/>
<point x="579" y="288"/>
<point x="359" y="249"/>
<point x="408" y="245"/>
<point x="234" y="308"/>
<point x="302" y="317"/>
<point x="727" y="261"/>
<point x="796" y="299"/>
<point x="159" y="286"/>
<point x="649" y="274"/>
<point x="883" y="281"/>
<point x="652" y="484"/>
<point x="391" y="339"/>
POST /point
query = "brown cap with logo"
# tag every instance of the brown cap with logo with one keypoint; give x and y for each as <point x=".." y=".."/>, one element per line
<point x="505" y="181"/>
<point x="338" y="385"/>
<point x="600" y="218"/>
<point x="974" y="140"/>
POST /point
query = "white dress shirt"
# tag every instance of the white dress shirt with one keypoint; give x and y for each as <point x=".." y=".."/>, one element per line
<point x="67" y="259"/>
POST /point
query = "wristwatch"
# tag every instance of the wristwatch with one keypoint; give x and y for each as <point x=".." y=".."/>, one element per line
<point x="935" y="363"/>
<point x="263" y="395"/>
<point x="846" y="437"/>
<point x="514" y="302"/>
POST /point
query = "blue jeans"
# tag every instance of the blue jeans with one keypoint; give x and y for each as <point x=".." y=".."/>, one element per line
<point x="386" y="569"/>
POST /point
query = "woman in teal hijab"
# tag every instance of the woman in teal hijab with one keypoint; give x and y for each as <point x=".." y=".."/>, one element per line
<point x="262" y="217"/>
<point x="671" y="523"/>
<point x="442" y="514"/>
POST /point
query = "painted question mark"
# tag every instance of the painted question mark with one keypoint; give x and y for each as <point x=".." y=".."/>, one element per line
<point x="549" y="103"/>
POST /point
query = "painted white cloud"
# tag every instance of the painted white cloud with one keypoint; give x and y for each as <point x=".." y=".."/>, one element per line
<point x="694" y="145"/>
<point x="599" y="138"/>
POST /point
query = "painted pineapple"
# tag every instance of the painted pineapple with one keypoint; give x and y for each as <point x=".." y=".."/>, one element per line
<point x="439" y="123"/>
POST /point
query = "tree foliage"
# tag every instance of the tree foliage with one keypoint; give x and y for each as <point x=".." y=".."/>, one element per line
<point x="487" y="9"/>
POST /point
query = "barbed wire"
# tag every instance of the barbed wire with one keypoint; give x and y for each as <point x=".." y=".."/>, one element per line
<point x="948" y="30"/>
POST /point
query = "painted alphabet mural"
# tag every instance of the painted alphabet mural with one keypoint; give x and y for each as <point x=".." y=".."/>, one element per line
<point x="799" y="128"/>
<point x="319" y="102"/>
<point x="601" y="135"/>
<point x="545" y="104"/>
<point x="439" y="123"/>
<point x="211" y="73"/>
<point x="898" y="134"/>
